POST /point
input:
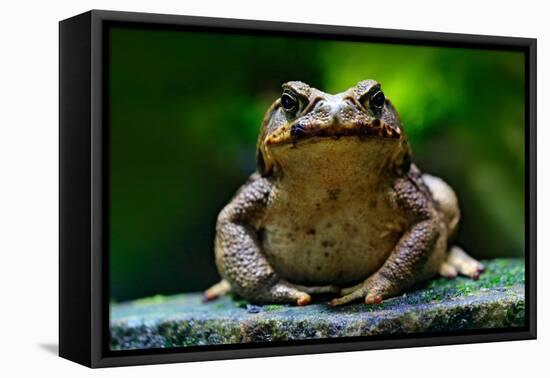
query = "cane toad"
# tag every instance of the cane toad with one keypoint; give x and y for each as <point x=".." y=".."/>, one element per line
<point x="336" y="205"/>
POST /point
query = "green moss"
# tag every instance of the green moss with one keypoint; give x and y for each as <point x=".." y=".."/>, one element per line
<point x="515" y="314"/>
<point x="499" y="273"/>
<point x="272" y="307"/>
<point x="238" y="300"/>
<point x="150" y="300"/>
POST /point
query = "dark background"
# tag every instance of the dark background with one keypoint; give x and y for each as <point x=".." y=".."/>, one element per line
<point x="186" y="108"/>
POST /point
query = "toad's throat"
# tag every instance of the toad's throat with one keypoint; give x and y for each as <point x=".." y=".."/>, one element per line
<point x="322" y="162"/>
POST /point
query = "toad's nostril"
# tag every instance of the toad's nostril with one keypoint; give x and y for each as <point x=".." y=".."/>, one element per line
<point x="320" y="103"/>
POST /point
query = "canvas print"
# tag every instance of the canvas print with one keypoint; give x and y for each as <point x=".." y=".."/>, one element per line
<point x="276" y="189"/>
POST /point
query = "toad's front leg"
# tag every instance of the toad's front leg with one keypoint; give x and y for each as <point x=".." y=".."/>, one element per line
<point x="239" y="255"/>
<point x="417" y="255"/>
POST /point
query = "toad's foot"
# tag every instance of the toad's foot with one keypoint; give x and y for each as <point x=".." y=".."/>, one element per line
<point x="221" y="288"/>
<point x="285" y="292"/>
<point x="281" y="292"/>
<point x="459" y="262"/>
<point x="373" y="290"/>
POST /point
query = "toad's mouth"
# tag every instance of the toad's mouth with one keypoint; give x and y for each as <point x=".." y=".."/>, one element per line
<point x="303" y="131"/>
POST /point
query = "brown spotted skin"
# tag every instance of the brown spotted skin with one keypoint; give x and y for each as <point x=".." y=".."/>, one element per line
<point x="337" y="202"/>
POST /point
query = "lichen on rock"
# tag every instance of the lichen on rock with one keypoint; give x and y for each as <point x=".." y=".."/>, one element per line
<point x="496" y="300"/>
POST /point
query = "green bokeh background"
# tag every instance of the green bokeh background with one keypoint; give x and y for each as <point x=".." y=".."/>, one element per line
<point x="185" y="110"/>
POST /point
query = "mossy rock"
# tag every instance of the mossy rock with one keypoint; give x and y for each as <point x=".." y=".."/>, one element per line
<point x="496" y="300"/>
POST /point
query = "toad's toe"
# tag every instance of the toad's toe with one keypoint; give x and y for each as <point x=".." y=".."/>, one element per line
<point x="351" y="297"/>
<point x="464" y="263"/>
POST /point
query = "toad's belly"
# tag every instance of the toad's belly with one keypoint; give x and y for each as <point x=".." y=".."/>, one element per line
<point x="340" y="243"/>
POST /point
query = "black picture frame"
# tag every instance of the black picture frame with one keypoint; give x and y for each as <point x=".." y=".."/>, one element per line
<point x="83" y="228"/>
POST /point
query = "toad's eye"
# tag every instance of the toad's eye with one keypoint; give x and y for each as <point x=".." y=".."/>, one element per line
<point x="377" y="100"/>
<point x="289" y="102"/>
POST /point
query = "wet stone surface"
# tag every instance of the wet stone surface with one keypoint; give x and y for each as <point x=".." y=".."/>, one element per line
<point x="496" y="300"/>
